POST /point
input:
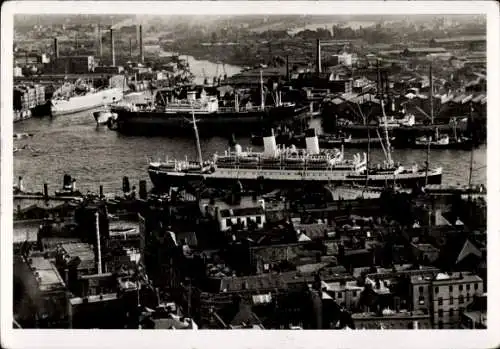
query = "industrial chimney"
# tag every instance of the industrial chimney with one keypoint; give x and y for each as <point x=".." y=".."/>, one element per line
<point x="113" y="62"/>
<point x="141" y="49"/>
<point x="318" y="56"/>
<point x="56" y="48"/>
<point x="99" y="38"/>
<point x="287" y="70"/>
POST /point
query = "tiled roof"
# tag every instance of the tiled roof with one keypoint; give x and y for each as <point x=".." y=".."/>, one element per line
<point x="83" y="251"/>
<point x="49" y="277"/>
<point x="253" y="283"/>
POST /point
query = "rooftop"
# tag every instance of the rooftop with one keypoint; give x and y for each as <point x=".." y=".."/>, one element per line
<point x="246" y="202"/>
<point x="48" y="276"/>
<point x="461" y="39"/>
<point x="426" y="49"/>
<point x="239" y="212"/>
<point x="94" y="299"/>
<point x="425" y="247"/>
<point x="389" y="314"/>
<point x="444" y="278"/>
<point x="83" y="251"/>
<point x="254" y="282"/>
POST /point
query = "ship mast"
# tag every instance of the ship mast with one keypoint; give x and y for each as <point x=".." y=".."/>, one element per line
<point x="262" y="102"/>
<point x="472" y="150"/>
<point x="386" y="131"/>
<point x="431" y="100"/>
<point x="198" y="146"/>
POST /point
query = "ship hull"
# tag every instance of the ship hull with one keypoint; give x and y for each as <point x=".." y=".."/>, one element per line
<point x="82" y="103"/>
<point x="466" y="145"/>
<point x="164" y="180"/>
<point x="215" y="123"/>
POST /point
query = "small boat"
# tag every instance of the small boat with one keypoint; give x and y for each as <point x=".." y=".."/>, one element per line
<point x="103" y="116"/>
<point x="22" y="135"/>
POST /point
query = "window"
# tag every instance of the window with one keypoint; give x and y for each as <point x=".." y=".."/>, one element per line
<point x="460" y="287"/>
<point x="440" y="301"/>
<point x="451" y="300"/>
<point x="259" y="220"/>
<point x="476" y="286"/>
<point x="468" y="297"/>
<point x="436" y="289"/>
<point x="354" y="293"/>
<point x="440" y="324"/>
<point x="228" y="222"/>
<point x="452" y="312"/>
<point x="421" y="289"/>
<point x="467" y="287"/>
<point x="440" y="313"/>
<point x="460" y="299"/>
<point x="339" y="295"/>
<point x="450" y="288"/>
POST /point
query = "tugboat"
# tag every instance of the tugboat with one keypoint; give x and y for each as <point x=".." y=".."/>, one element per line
<point x="103" y="116"/>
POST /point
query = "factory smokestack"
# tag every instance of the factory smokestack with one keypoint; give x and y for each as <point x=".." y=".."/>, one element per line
<point x="99" y="38"/>
<point x="141" y="49"/>
<point x="56" y="48"/>
<point x="287" y="70"/>
<point x="130" y="47"/>
<point x="318" y="56"/>
<point x="113" y="62"/>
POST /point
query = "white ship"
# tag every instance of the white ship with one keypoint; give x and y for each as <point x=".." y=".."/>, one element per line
<point x="87" y="98"/>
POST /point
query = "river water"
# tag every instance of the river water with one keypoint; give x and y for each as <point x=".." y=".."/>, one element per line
<point x="96" y="155"/>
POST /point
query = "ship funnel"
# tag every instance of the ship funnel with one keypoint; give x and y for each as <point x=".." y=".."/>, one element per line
<point x="113" y="61"/>
<point x="270" y="148"/>
<point x="312" y="143"/>
<point x="56" y="48"/>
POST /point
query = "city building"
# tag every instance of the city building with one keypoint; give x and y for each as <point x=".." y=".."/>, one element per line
<point x="391" y="320"/>
<point x="470" y="42"/>
<point x="243" y="213"/>
<point x="445" y="296"/>
<point x="345" y="293"/>
<point x="475" y="316"/>
<point x="72" y="65"/>
<point x="422" y="51"/>
<point x="45" y="288"/>
<point x="426" y="253"/>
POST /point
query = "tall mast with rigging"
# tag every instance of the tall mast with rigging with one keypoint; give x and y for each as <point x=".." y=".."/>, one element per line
<point x="431" y="101"/>
<point x="386" y="131"/>
<point x="198" y="146"/>
<point x="472" y="150"/>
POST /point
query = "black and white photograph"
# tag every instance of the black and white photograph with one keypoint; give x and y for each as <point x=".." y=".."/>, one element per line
<point x="223" y="165"/>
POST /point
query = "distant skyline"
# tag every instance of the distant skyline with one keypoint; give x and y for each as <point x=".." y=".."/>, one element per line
<point x="46" y="19"/>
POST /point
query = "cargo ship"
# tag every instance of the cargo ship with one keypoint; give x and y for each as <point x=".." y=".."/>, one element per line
<point x="73" y="99"/>
<point x="282" y="167"/>
<point x="169" y="115"/>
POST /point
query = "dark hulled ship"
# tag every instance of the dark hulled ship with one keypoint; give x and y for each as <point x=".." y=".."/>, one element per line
<point x="171" y="115"/>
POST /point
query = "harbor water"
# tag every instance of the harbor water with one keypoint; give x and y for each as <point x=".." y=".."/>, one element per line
<point x="96" y="155"/>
